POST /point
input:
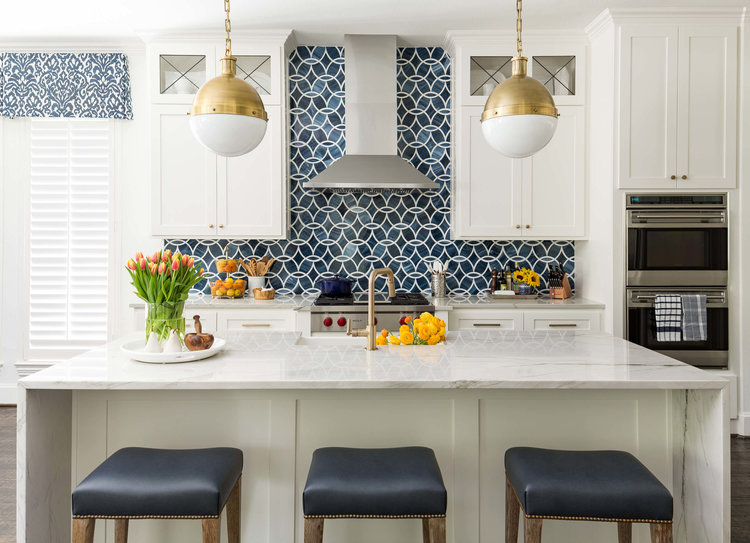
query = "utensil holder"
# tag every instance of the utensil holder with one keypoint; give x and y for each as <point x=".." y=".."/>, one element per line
<point x="438" y="285"/>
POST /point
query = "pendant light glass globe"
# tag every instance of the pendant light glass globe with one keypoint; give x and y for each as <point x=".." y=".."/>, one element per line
<point x="228" y="116"/>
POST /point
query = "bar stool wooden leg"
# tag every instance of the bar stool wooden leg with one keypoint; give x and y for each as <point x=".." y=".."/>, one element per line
<point x="425" y="530"/>
<point x="437" y="530"/>
<point x="83" y="530"/>
<point x="121" y="530"/>
<point x="532" y="530"/>
<point x="624" y="532"/>
<point x="314" y="530"/>
<point x="512" y="512"/>
<point x="211" y="530"/>
<point x="661" y="533"/>
<point x="233" y="514"/>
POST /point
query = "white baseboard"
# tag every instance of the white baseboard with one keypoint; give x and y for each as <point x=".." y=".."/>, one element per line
<point x="8" y="394"/>
<point x="743" y="424"/>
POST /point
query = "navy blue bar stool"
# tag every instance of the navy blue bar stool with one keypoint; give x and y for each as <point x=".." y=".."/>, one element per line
<point x="401" y="482"/>
<point x="610" y="486"/>
<point x="139" y="483"/>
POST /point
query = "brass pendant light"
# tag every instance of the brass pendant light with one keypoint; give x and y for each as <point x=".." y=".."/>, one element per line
<point x="519" y="116"/>
<point x="228" y="115"/>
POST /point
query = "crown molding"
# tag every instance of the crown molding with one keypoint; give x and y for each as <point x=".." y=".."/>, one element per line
<point x="672" y="15"/>
<point x="150" y="37"/>
<point x="600" y="23"/>
<point x="68" y="45"/>
<point x="486" y="37"/>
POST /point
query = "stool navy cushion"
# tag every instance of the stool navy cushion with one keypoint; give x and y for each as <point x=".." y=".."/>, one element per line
<point x="591" y="484"/>
<point x="138" y="482"/>
<point x="396" y="482"/>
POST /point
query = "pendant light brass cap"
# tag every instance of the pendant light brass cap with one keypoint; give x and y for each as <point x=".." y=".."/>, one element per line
<point x="228" y="94"/>
<point x="519" y="95"/>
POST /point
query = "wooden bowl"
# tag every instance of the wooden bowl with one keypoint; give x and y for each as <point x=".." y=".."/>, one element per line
<point x="260" y="294"/>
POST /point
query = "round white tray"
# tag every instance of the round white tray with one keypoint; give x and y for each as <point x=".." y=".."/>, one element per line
<point x="134" y="349"/>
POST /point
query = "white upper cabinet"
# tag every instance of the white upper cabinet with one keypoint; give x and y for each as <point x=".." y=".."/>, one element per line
<point x="554" y="193"/>
<point x="196" y="193"/>
<point x="678" y="106"/>
<point x="496" y="197"/>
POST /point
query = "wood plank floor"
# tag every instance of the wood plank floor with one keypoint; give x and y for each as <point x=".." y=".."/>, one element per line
<point x="740" y="482"/>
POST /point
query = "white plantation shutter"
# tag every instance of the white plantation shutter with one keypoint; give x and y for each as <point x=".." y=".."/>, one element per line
<point x="68" y="235"/>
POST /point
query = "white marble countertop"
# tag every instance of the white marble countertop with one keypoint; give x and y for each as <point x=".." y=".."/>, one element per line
<point x="204" y="301"/>
<point x="304" y="302"/>
<point x="483" y="302"/>
<point x="472" y="359"/>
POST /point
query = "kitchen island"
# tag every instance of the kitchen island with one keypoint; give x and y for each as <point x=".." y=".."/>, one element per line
<point x="279" y="396"/>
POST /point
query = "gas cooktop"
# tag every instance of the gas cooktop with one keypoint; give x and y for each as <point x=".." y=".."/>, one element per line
<point x="360" y="298"/>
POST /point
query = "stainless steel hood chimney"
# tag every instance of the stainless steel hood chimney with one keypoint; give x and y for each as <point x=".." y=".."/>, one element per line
<point x="371" y="162"/>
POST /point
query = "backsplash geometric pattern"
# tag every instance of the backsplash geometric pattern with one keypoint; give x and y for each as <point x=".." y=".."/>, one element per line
<point x="351" y="234"/>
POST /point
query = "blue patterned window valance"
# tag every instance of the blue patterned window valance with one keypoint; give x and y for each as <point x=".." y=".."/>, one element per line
<point x="86" y="85"/>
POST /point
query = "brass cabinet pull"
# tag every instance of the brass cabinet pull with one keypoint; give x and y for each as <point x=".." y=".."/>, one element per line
<point x="673" y="177"/>
<point x="684" y="176"/>
<point x="256" y="324"/>
<point x="528" y="226"/>
<point x="221" y="226"/>
<point x="487" y="325"/>
<point x="562" y="325"/>
<point x="210" y="225"/>
<point x="518" y="226"/>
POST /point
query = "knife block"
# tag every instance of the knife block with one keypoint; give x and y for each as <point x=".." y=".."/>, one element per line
<point x="560" y="293"/>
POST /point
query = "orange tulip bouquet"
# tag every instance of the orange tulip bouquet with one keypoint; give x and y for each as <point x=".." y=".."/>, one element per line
<point x="424" y="330"/>
<point x="163" y="280"/>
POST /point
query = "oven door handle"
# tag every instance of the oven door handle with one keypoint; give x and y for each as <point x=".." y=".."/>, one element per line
<point x="713" y="301"/>
<point x="642" y="219"/>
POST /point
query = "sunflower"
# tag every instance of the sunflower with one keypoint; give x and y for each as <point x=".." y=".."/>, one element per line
<point x="518" y="276"/>
<point x="534" y="280"/>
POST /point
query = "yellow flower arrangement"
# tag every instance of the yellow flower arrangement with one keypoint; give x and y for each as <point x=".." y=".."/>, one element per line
<point x="527" y="276"/>
<point x="424" y="330"/>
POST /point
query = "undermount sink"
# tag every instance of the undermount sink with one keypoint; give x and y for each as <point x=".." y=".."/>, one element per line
<point x="332" y="341"/>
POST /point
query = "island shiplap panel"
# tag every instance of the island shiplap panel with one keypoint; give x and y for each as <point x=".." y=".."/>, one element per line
<point x="469" y="430"/>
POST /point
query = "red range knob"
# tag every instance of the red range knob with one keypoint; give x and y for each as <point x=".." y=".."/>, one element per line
<point x="341" y="321"/>
<point x="402" y="321"/>
<point x="328" y="321"/>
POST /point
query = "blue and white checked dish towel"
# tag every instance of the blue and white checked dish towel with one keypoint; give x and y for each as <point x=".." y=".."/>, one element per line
<point x="694" y="317"/>
<point x="668" y="313"/>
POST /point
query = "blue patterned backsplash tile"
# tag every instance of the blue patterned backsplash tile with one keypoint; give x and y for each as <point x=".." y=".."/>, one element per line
<point x="351" y="234"/>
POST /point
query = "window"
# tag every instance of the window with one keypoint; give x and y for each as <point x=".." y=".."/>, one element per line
<point x="68" y="235"/>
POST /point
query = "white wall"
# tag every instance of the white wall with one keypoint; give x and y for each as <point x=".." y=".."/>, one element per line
<point x="131" y="209"/>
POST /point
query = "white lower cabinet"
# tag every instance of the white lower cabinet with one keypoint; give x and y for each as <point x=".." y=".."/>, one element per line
<point x="267" y="319"/>
<point x="482" y="319"/>
<point x="562" y="320"/>
<point x="527" y="320"/>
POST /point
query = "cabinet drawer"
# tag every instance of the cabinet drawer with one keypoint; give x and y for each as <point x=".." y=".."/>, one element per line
<point x="208" y="320"/>
<point x="562" y="320"/>
<point x="257" y="320"/>
<point x="484" y="319"/>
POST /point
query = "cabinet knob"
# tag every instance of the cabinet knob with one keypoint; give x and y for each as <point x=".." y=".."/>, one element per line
<point x="528" y="226"/>
<point x="210" y="225"/>
<point x="221" y="226"/>
<point x="518" y="226"/>
<point x="684" y="176"/>
<point x="673" y="177"/>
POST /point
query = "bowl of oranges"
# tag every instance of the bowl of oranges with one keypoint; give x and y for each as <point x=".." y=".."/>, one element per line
<point x="228" y="288"/>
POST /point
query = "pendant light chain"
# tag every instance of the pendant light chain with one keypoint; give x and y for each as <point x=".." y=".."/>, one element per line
<point x="228" y="28"/>
<point x="519" y="46"/>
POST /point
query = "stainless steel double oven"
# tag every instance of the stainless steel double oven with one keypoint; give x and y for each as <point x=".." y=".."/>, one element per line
<point x="678" y="244"/>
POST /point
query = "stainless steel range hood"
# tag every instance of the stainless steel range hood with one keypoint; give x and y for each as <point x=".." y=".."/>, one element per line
<point x="371" y="162"/>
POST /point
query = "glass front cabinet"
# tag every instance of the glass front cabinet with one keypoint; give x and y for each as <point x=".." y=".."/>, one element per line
<point x="196" y="193"/>
<point x="494" y="197"/>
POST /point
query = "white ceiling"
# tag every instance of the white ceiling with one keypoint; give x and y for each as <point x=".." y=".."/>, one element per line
<point x="316" y="21"/>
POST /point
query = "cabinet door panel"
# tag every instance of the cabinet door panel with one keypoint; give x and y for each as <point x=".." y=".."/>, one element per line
<point x="648" y="106"/>
<point x="487" y="190"/>
<point x="183" y="176"/>
<point x="554" y="182"/>
<point x="252" y="188"/>
<point x="707" y="125"/>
